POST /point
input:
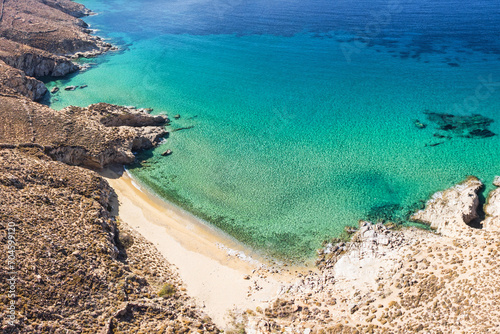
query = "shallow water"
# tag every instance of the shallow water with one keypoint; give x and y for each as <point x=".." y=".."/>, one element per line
<point x="303" y="112"/>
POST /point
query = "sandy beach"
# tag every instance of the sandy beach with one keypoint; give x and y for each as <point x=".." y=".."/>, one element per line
<point x="217" y="271"/>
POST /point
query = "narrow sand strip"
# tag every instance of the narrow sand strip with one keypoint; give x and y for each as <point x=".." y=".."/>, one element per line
<point x="214" y="276"/>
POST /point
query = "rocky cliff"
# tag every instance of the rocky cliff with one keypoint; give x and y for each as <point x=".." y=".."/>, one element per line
<point x="15" y="81"/>
<point x="34" y="62"/>
<point x="74" y="270"/>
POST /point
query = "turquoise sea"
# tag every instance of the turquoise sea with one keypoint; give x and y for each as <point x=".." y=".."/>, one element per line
<point x="302" y="115"/>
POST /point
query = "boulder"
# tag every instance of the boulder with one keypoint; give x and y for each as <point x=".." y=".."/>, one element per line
<point x="496" y="181"/>
<point x="450" y="211"/>
<point x="167" y="153"/>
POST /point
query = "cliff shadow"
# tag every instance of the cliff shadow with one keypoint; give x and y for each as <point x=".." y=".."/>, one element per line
<point x="478" y="222"/>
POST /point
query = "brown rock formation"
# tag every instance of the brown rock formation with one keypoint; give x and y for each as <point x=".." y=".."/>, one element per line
<point x="48" y="25"/>
<point x="73" y="271"/>
<point x="79" y="136"/>
<point x="15" y="81"/>
<point x="34" y="62"/>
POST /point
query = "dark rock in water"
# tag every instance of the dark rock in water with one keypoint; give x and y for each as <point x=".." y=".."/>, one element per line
<point x="434" y="144"/>
<point x="167" y="153"/>
<point x="83" y="86"/>
<point x="54" y="90"/>
<point x="448" y="127"/>
<point x="473" y="126"/>
<point x="480" y="133"/>
<point x="454" y="64"/>
<point x="177" y="116"/>
<point x="419" y="125"/>
<point x="441" y="136"/>
<point x="70" y="87"/>
<point x="184" y="128"/>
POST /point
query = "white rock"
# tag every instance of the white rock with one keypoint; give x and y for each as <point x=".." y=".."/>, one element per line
<point x="451" y="210"/>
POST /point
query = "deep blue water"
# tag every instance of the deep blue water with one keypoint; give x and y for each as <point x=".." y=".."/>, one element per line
<point x="303" y="112"/>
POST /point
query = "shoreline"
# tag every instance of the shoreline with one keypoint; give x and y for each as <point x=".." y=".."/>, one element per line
<point x="210" y="264"/>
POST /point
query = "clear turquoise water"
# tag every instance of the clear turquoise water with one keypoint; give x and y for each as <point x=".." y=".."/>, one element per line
<point x="292" y="140"/>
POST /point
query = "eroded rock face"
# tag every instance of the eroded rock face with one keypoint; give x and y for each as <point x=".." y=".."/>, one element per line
<point x="450" y="211"/>
<point x="34" y="62"/>
<point x="39" y="65"/>
<point x="18" y="82"/>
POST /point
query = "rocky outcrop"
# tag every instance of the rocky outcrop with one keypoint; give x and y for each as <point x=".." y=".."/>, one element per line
<point x="76" y="135"/>
<point x="452" y="210"/>
<point x="34" y="62"/>
<point x="492" y="208"/>
<point x="69" y="7"/>
<point x="16" y="81"/>
<point x="125" y="116"/>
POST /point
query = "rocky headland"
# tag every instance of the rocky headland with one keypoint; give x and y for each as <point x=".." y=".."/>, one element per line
<point x="77" y="269"/>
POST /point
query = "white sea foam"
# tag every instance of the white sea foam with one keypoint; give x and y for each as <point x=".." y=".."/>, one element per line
<point x="239" y="254"/>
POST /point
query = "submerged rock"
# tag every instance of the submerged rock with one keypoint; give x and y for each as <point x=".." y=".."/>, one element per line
<point x="480" y="133"/>
<point x="434" y="144"/>
<point x="450" y="211"/>
<point x="473" y="126"/>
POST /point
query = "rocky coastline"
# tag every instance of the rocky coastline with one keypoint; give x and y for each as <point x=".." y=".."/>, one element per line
<point x="72" y="266"/>
<point x="408" y="280"/>
<point x="78" y="269"/>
